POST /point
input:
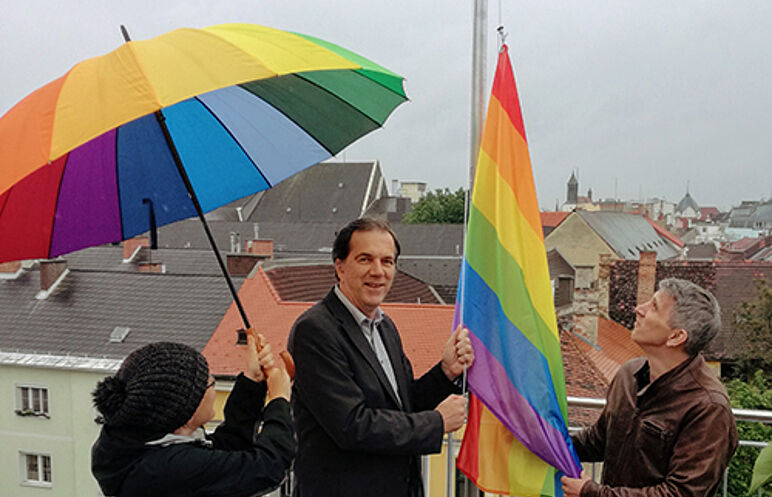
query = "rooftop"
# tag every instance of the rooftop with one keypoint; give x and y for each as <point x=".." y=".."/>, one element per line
<point x="614" y="348"/>
<point x="309" y="282"/>
<point x="80" y="314"/>
<point x="628" y="234"/>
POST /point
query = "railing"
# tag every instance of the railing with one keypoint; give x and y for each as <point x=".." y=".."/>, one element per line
<point x="750" y="415"/>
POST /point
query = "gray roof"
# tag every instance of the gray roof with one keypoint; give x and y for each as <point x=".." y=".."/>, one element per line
<point x="431" y="239"/>
<point x="762" y="214"/>
<point x="294" y="239"/>
<point x="701" y="251"/>
<point x="79" y="315"/>
<point x="326" y="192"/>
<point x="558" y="265"/>
<point x="687" y="202"/>
<point x="435" y="270"/>
<point x="628" y="234"/>
<point x="175" y="261"/>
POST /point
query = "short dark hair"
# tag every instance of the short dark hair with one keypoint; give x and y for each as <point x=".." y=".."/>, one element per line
<point x="342" y="243"/>
<point x="694" y="310"/>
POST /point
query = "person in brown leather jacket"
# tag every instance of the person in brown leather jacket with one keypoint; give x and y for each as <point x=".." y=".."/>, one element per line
<point x="667" y="428"/>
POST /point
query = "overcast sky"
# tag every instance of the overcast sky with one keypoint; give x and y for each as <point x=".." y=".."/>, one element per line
<point x="639" y="97"/>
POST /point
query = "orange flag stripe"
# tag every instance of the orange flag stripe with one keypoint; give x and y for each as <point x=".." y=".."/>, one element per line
<point x="507" y="147"/>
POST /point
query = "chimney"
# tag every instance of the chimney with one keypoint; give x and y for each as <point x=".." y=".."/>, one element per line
<point x="242" y="264"/>
<point x="647" y="272"/>
<point x="151" y="267"/>
<point x="604" y="278"/>
<point x="52" y="271"/>
<point x="263" y="248"/>
<point x="10" y="270"/>
<point x="235" y="242"/>
<point x="133" y="246"/>
<point x="395" y="188"/>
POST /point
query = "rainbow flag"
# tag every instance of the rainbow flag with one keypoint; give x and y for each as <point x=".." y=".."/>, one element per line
<point x="516" y="435"/>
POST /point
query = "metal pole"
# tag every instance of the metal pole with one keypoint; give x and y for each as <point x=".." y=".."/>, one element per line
<point x="451" y="470"/>
<point x="479" y="26"/>
<point x="189" y="187"/>
<point x="479" y="39"/>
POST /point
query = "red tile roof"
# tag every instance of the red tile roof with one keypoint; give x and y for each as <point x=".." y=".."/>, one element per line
<point x="663" y="232"/>
<point x="708" y="212"/>
<point x="424" y="328"/>
<point x="583" y="379"/>
<point x="741" y="245"/>
<point x="552" y="219"/>
<point x="615" y="347"/>
<point x="310" y="283"/>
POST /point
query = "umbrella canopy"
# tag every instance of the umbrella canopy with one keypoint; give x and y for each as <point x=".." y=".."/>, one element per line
<point x="94" y="156"/>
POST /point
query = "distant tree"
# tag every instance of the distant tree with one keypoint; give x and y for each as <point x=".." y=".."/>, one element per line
<point x="753" y="319"/>
<point x="441" y="206"/>
<point x="754" y="394"/>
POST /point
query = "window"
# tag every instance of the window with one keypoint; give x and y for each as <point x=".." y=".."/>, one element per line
<point x="36" y="469"/>
<point x="32" y="401"/>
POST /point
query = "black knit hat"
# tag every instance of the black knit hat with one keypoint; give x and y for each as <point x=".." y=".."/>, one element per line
<point x="156" y="390"/>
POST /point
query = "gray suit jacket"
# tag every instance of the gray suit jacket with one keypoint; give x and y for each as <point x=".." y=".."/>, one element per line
<point x="354" y="438"/>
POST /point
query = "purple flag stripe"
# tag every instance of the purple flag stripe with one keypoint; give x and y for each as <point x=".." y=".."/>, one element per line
<point x="488" y="381"/>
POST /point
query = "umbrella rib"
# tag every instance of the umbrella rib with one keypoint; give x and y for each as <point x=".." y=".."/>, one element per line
<point x="359" y="72"/>
<point x="194" y="198"/>
<point x="56" y="205"/>
<point x="236" y="141"/>
<point x="345" y="102"/>
<point x="287" y="116"/>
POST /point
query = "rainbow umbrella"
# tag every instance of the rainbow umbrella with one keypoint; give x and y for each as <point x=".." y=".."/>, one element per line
<point x="164" y="129"/>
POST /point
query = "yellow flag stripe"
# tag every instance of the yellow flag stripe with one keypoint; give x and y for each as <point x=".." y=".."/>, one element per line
<point x="521" y="242"/>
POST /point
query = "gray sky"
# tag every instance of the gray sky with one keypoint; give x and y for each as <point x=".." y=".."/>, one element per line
<point x="642" y="95"/>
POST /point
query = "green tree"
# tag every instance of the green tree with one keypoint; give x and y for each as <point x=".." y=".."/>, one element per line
<point x="753" y="319"/>
<point x="440" y="206"/>
<point x="754" y="394"/>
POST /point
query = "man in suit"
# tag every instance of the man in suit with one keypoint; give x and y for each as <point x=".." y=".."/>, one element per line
<point x="362" y="419"/>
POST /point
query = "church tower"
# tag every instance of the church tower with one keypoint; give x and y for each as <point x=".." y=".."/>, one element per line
<point x="573" y="190"/>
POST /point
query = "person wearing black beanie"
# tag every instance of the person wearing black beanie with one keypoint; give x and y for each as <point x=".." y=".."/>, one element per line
<point x="153" y="410"/>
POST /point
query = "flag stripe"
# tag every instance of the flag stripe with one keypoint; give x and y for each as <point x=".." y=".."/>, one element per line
<point x="506" y="342"/>
<point x="508" y="465"/>
<point x="509" y="147"/>
<point x="505" y="91"/>
<point x="505" y="278"/>
<point x="533" y="431"/>
<point x="522" y="243"/>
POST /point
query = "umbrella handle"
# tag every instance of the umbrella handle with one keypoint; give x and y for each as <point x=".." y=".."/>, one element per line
<point x="286" y="357"/>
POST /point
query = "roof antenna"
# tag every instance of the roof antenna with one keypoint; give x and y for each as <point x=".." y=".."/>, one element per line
<point x="125" y="34"/>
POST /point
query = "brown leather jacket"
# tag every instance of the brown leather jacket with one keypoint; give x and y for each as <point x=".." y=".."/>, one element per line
<point x="673" y="437"/>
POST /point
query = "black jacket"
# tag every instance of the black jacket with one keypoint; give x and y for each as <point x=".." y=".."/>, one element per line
<point x="239" y="463"/>
<point x="355" y="437"/>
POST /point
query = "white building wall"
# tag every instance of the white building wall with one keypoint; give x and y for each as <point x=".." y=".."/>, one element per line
<point x="67" y="436"/>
